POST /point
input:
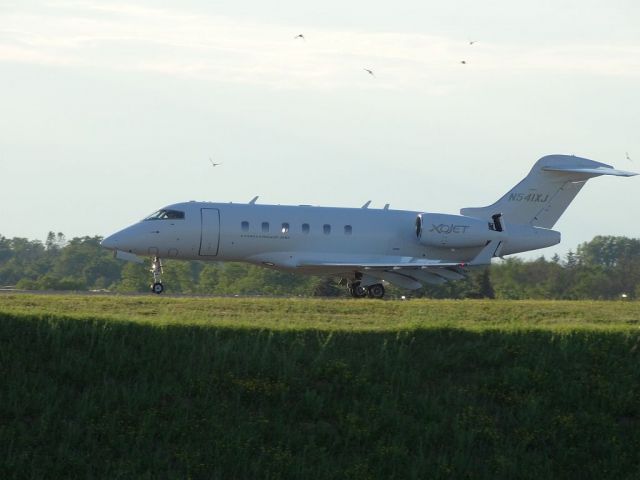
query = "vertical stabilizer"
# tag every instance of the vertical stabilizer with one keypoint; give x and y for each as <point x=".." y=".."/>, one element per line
<point x="546" y="192"/>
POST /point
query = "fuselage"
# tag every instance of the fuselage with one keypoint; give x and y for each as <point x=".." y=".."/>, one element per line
<point x="286" y="237"/>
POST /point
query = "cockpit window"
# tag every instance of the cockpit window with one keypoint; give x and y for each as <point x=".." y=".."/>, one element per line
<point x="166" y="215"/>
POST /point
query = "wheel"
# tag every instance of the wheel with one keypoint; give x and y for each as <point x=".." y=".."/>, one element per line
<point x="157" y="288"/>
<point x="376" y="291"/>
<point x="358" y="291"/>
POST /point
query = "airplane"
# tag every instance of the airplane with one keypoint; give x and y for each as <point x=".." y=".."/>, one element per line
<point x="366" y="248"/>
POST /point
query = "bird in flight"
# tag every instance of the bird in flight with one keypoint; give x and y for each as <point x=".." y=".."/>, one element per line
<point x="299" y="36"/>
<point x="471" y="42"/>
<point x="370" y="72"/>
<point x="463" y="62"/>
<point x="213" y="164"/>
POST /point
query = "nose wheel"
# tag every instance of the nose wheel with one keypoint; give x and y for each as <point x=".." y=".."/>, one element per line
<point x="156" y="270"/>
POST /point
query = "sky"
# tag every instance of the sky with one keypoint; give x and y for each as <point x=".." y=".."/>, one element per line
<point x="111" y="110"/>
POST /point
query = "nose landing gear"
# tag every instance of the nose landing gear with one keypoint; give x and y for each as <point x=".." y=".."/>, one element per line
<point x="156" y="270"/>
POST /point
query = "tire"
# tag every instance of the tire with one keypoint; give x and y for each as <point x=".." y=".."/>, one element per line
<point x="157" y="288"/>
<point x="358" y="291"/>
<point x="376" y="291"/>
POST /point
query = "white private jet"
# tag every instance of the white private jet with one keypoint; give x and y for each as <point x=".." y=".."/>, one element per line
<point x="362" y="246"/>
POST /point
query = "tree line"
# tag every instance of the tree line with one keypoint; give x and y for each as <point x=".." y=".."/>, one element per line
<point x="607" y="267"/>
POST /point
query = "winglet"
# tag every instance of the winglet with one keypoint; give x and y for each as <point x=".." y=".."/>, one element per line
<point x="492" y="249"/>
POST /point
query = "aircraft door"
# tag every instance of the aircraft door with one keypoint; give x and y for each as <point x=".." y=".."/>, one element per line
<point x="210" y="232"/>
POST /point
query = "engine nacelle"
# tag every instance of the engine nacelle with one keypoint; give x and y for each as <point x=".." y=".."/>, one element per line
<point x="455" y="231"/>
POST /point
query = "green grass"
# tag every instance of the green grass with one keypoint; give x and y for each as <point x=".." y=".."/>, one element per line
<point x="147" y="387"/>
<point x="336" y="315"/>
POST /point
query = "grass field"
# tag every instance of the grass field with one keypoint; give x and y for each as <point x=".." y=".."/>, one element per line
<point x="160" y="387"/>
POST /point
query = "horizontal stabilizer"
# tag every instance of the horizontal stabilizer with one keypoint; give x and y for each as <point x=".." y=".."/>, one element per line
<point x="603" y="170"/>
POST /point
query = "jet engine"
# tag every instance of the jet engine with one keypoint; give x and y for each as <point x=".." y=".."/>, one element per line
<point x="456" y="231"/>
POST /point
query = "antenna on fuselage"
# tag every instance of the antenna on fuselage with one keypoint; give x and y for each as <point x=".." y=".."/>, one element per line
<point x="366" y="205"/>
<point x="253" y="200"/>
<point x="386" y="206"/>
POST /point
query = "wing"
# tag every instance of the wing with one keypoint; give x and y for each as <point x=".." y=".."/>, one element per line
<point x="482" y="258"/>
<point x="413" y="272"/>
<point x="411" y="275"/>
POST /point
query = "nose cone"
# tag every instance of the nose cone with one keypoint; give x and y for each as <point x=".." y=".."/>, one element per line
<point x="110" y="242"/>
<point x="129" y="239"/>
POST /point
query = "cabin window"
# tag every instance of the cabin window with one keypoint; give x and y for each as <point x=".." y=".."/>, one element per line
<point x="265" y="227"/>
<point x="305" y="228"/>
<point x="285" y="228"/>
<point x="245" y="226"/>
<point x="326" y="228"/>
<point x="166" y="215"/>
<point x="348" y="230"/>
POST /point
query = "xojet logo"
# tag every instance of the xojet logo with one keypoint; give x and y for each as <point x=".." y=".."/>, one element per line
<point x="444" y="228"/>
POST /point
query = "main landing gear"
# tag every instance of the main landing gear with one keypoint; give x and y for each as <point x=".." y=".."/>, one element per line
<point x="357" y="290"/>
<point x="156" y="270"/>
<point x="376" y="290"/>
